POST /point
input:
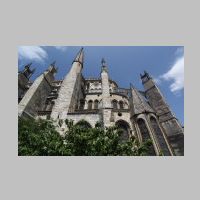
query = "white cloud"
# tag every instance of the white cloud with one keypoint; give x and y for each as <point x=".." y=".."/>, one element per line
<point x="176" y="75"/>
<point x="36" y="53"/>
<point x="61" y="48"/>
<point x="179" y="51"/>
<point x="157" y="81"/>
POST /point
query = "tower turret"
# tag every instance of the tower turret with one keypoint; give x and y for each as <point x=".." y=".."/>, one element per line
<point x="23" y="80"/>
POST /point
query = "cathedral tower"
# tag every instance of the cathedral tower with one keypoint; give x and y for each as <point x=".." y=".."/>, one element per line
<point x="68" y="94"/>
<point x="168" y="121"/>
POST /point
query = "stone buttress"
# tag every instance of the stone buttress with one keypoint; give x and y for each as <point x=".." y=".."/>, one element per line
<point x="35" y="97"/>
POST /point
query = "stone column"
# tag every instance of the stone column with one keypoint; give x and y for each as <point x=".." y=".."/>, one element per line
<point x="106" y="103"/>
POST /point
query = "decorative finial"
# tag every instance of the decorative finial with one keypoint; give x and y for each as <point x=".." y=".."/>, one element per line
<point x="103" y="62"/>
<point x="53" y="63"/>
<point x="146" y="74"/>
<point x="104" y="67"/>
<point x="27" y="71"/>
<point x="131" y="85"/>
<point x="28" y="66"/>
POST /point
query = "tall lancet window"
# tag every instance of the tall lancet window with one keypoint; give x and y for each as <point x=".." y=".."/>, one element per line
<point x="114" y="104"/>
<point x="125" y="129"/>
<point x="121" y="105"/>
<point x="96" y="104"/>
<point x="145" y="135"/>
<point x="90" y="104"/>
<point x="160" y="137"/>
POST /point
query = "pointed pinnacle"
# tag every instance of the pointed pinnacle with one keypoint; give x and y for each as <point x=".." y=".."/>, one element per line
<point x="53" y="63"/>
<point x="28" y="65"/>
<point x="79" y="57"/>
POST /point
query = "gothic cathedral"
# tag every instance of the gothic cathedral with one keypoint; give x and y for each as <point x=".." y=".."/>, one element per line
<point x="144" y="114"/>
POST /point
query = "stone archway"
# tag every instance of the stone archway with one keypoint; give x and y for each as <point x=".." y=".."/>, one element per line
<point x="83" y="124"/>
<point x="124" y="126"/>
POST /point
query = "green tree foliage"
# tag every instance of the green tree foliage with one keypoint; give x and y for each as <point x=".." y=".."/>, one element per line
<point x="40" y="138"/>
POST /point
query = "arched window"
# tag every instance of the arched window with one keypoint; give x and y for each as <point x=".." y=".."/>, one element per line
<point x="90" y="104"/>
<point x="96" y="104"/>
<point x="121" y="105"/>
<point x="124" y="127"/>
<point x="145" y="134"/>
<point x="114" y="104"/>
<point x="83" y="124"/>
<point x="160" y="137"/>
<point x="82" y="104"/>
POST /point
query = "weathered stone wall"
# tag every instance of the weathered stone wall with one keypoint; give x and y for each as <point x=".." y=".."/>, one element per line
<point x="22" y="80"/>
<point x="177" y="143"/>
<point x="172" y="127"/>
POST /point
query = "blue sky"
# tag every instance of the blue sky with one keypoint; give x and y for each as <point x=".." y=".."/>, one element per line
<point x="125" y="63"/>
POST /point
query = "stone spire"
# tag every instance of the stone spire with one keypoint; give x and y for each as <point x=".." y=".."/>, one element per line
<point x="69" y="90"/>
<point x="80" y="56"/>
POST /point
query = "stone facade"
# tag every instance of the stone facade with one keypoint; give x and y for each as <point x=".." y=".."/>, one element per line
<point x="144" y="114"/>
